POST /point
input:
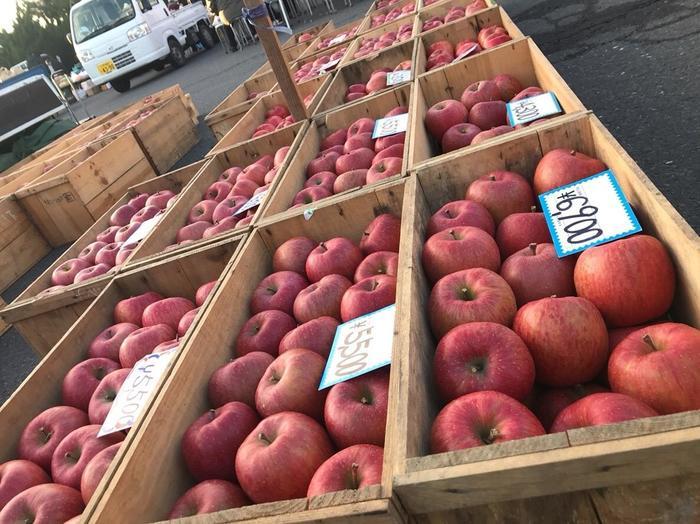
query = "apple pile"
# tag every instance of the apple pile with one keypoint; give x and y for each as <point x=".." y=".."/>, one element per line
<point x="111" y="247"/>
<point x="318" y="67"/>
<point x="443" y="52"/>
<point x="454" y="13"/>
<point x="393" y="14"/>
<point x="270" y="434"/>
<point x="61" y="459"/>
<point x="330" y="41"/>
<point x="276" y="118"/>
<point x="377" y="81"/>
<point x="216" y="212"/>
<point x="304" y="37"/>
<point x="477" y="5"/>
<point x="350" y="158"/>
<point x="479" y="115"/>
<point x="374" y="44"/>
<point x="381" y="4"/>
<point x="529" y="342"/>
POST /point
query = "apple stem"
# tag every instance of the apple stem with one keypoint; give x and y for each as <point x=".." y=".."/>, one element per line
<point x="648" y="340"/>
<point x="354" y="468"/>
<point x="263" y="437"/>
<point x="493" y="434"/>
<point x="533" y="248"/>
<point x="364" y="400"/>
<point x="212" y="414"/>
<point x="70" y="456"/>
<point x="492" y="177"/>
<point x="46" y="435"/>
<point x="533" y="209"/>
<point x="572" y="152"/>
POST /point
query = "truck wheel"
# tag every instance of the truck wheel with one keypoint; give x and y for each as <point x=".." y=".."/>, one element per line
<point x="177" y="54"/>
<point x="121" y="85"/>
<point x="206" y="36"/>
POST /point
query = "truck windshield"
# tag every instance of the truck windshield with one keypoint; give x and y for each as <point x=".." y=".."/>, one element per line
<point x="98" y="16"/>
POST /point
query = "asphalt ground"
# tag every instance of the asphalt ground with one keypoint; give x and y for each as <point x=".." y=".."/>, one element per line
<point x="635" y="63"/>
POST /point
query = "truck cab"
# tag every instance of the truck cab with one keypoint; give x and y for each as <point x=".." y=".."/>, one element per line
<point x="116" y="40"/>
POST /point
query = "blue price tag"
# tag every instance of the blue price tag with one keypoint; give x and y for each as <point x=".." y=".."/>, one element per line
<point x="587" y="213"/>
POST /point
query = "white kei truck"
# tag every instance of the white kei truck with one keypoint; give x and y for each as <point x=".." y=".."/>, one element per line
<point x="115" y="40"/>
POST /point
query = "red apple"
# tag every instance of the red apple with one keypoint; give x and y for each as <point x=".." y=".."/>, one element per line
<point x="102" y="398"/>
<point x="236" y="381"/>
<point x="243" y="187"/>
<point x="144" y="214"/>
<point x="458" y="136"/>
<point x="82" y="380"/>
<point x="321" y="298"/>
<point x="95" y="470"/>
<point x="550" y="402"/>
<point x="360" y="158"/>
<point x="167" y="311"/>
<point x="563" y="166"/>
<point x="108" y="254"/>
<point x="382" y="234"/>
<point x="130" y="310"/>
<point x="519" y="230"/>
<point x="528" y="92"/>
<point x="324" y="179"/>
<point x="218" y="191"/>
<point x="64" y="274"/>
<point x="75" y="451"/>
<point x="364" y="398"/>
<point x="17" y="476"/>
<point x="462" y="247"/>
<point x="160" y="199"/>
<point x="186" y="322"/>
<point x="470" y="295"/>
<point x="263" y="332"/>
<point x="537" y="272"/>
<point x="280" y="456"/>
<point x="483" y="91"/>
<point x="368" y="295"/>
<point x="387" y="141"/>
<point x="567" y="338"/>
<point x="378" y="263"/>
<point x="203" y="292"/>
<point x="508" y="85"/>
<point x="353" y="468"/>
<point x="277" y="291"/>
<point x="203" y="211"/>
<point x="192" y="232"/>
<point x="91" y="272"/>
<point x="210" y="443"/>
<point x="210" y="496"/>
<point x="362" y="125"/>
<point x="336" y="138"/>
<point x="350" y="180"/>
<point x="357" y="141"/>
<point x="311" y="194"/>
<point x="139" y="201"/>
<point x="460" y="213"/>
<point x="384" y="169"/>
<point x="90" y="251"/>
<point x="443" y="115"/>
<point x="491" y="133"/>
<point x="600" y="408"/>
<point x="481" y="419"/>
<point x="630" y="280"/>
<point x="290" y="383"/>
<point x="315" y="335"/>
<point x="502" y="193"/>
<point x="142" y="341"/>
<point x="395" y="151"/>
<point x="107" y="236"/>
<point x="122" y="215"/>
<point x="337" y="255"/>
<point x="658" y="365"/>
<point x="292" y="255"/>
<point x="44" y="503"/>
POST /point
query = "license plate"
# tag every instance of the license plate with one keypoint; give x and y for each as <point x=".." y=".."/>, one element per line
<point x="106" y="67"/>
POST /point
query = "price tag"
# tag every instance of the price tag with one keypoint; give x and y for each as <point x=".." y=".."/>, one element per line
<point x="360" y="346"/>
<point x="533" y="108"/>
<point x="392" y="125"/>
<point x="588" y="212"/>
<point x="466" y="52"/>
<point x="254" y="201"/>
<point x="144" y="229"/>
<point x="398" y="77"/>
<point x="338" y="39"/>
<point x="330" y="65"/>
<point x="136" y="391"/>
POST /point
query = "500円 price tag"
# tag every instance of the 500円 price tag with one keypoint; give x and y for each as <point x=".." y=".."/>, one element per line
<point x="136" y="391"/>
<point x="533" y="108"/>
<point x="586" y="213"/>
<point x="391" y="125"/>
<point x="360" y="346"/>
<point x="398" y="77"/>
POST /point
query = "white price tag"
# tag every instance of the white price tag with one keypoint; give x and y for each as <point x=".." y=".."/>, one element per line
<point x="533" y="108"/>
<point x="330" y="65"/>
<point x="392" y="125"/>
<point x="588" y="212"/>
<point x="466" y="52"/>
<point x="136" y="391"/>
<point x="360" y="346"/>
<point x="144" y="229"/>
<point x="254" y="201"/>
<point x="338" y="39"/>
<point x="398" y="77"/>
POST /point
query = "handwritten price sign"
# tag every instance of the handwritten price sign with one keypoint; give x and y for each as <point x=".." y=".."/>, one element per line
<point x="391" y="125"/>
<point x="254" y="201"/>
<point x="533" y="108"/>
<point x="588" y="212"/>
<point x="398" y="77"/>
<point x="360" y="346"/>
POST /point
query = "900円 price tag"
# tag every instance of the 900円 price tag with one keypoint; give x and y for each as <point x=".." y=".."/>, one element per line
<point x="587" y="213"/>
<point x="533" y="108"/>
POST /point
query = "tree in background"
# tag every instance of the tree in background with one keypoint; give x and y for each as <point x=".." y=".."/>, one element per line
<point x="40" y="27"/>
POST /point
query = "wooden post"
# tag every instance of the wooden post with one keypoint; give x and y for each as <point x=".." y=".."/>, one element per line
<point x="271" y="44"/>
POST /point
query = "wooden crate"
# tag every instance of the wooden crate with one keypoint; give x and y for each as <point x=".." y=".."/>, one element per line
<point x="43" y="319"/>
<point x="64" y="207"/>
<point x="376" y="33"/>
<point x="21" y="244"/>
<point x="162" y="476"/>
<point x="330" y="33"/>
<point x="277" y="207"/>
<point x="442" y="8"/>
<point x="243" y="130"/>
<point x="311" y="58"/>
<point x="313" y="30"/>
<point x="359" y="72"/>
<point x="398" y="5"/>
<point x="224" y="116"/>
<point x="161" y="241"/>
<point x="463" y="29"/>
<point x="589" y="474"/>
<point x="522" y="59"/>
<point x="3" y="326"/>
<point x="180" y="276"/>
